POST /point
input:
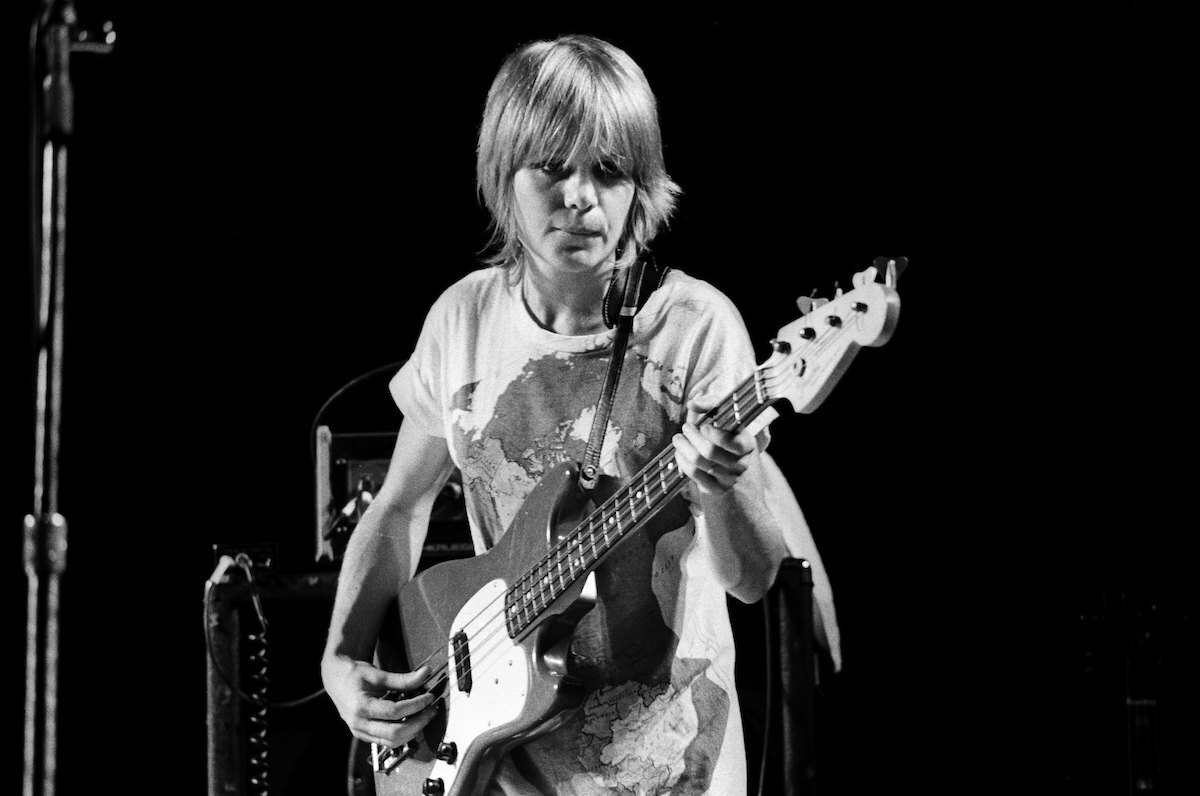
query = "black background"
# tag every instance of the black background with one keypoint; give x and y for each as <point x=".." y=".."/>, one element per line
<point x="263" y="203"/>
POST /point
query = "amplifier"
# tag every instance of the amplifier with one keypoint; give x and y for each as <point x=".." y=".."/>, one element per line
<point x="290" y="741"/>
<point x="350" y="468"/>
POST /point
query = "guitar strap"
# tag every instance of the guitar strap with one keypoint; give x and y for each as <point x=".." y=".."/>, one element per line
<point x="627" y="293"/>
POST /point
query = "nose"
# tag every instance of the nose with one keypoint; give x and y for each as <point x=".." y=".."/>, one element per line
<point x="579" y="190"/>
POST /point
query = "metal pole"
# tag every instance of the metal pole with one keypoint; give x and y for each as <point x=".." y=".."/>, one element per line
<point x="54" y="36"/>
<point x="797" y="667"/>
<point x="45" y="546"/>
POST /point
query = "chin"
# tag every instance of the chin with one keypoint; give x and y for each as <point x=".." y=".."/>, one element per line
<point x="580" y="260"/>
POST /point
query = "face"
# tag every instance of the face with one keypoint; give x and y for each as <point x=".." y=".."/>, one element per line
<point x="571" y="215"/>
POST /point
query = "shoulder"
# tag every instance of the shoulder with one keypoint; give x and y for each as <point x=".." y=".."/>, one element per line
<point x="685" y="299"/>
<point x="472" y="295"/>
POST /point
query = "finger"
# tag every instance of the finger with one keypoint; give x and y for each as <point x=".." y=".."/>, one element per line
<point x="721" y="449"/>
<point x="403" y="682"/>
<point x="738" y="443"/>
<point x="709" y="476"/>
<point x="394" y="733"/>
<point x="698" y="408"/>
<point x="383" y="709"/>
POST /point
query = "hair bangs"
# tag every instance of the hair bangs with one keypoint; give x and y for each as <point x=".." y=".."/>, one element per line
<point x="576" y="109"/>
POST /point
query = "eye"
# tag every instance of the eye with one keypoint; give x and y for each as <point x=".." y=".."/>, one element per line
<point x="551" y="167"/>
<point x="609" y="170"/>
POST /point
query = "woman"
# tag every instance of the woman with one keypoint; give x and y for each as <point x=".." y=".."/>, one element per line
<point x="504" y="383"/>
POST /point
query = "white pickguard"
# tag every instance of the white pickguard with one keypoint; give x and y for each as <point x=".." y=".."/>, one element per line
<point x="499" y="676"/>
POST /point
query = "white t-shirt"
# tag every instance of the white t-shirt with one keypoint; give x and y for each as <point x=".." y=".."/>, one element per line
<point x="656" y="654"/>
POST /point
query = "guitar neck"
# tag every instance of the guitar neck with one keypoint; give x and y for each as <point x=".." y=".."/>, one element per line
<point x="810" y="355"/>
<point x="627" y="510"/>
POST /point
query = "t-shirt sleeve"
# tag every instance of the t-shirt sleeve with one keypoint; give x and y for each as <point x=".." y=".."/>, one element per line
<point x="417" y="387"/>
<point x="722" y="358"/>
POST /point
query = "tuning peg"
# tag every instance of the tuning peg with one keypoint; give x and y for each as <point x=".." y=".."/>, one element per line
<point x="819" y="302"/>
<point x="805" y="304"/>
<point x="101" y="42"/>
<point x="865" y="277"/>
<point x="894" y="266"/>
<point x="837" y="290"/>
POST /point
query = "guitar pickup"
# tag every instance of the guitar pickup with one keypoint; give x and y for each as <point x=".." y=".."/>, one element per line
<point x="462" y="661"/>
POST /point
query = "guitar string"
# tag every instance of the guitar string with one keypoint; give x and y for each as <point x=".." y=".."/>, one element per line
<point x="483" y="653"/>
<point x="591" y="529"/>
<point x="604" y="511"/>
<point x="483" y="649"/>
<point x="721" y="413"/>
<point x="730" y="407"/>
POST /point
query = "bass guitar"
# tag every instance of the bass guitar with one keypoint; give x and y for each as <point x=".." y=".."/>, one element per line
<point x="496" y="627"/>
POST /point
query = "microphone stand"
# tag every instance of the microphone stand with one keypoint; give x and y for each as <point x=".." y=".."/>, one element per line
<point x="53" y="37"/>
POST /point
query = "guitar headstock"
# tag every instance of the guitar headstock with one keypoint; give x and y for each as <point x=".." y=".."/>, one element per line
<point x="813" y="352"/>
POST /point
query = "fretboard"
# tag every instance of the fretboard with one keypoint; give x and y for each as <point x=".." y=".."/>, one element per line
<point x="628" y="509"/>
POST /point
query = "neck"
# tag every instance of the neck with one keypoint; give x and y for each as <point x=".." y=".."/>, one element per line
<point x="565" y="303"/>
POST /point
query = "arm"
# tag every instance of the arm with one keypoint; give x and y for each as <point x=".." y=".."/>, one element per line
<point x="798" y="539"/>
<point x="744" y="537"/>
<point x="381" y="555"/>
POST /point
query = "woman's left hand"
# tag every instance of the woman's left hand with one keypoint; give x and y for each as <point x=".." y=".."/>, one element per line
<point x="714" y="459"/>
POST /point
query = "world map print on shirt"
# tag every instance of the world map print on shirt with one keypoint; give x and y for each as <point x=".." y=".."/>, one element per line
<point x="639" y="739"/>
<point x="543" y="417"/>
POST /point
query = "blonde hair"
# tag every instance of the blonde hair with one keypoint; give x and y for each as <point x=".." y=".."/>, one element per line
<point x="552" y="100"/>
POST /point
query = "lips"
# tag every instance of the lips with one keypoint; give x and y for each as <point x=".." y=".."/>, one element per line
<point x="581" y="231"/>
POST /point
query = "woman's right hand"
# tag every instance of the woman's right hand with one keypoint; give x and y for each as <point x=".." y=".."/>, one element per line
<point x="364" y="697"/>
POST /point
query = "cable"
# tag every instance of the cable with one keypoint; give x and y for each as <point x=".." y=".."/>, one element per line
<point x="243" y="561"/>
<point x="768" y="697"/>
<point x="312" y="431"/>
<point x="351" y="768"/>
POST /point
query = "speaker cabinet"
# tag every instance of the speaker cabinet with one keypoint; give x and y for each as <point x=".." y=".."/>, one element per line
<point x="291" y="741"/>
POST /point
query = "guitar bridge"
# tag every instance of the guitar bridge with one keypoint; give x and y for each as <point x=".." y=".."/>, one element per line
<point x="462" y="661"/>
<point x="385" y="758"/>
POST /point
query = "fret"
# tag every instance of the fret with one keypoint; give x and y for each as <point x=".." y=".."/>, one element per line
<point x="758" y="395"/>
<point x="737" y="413"/>
<point x="646" y="488"/>
<point x="538" y="594"/>
<point x="592" y="537"/>
<point x="523" y="609"/>
<point x="530" y="613"/>
<point x="570" y="572"/>
<point x="629" y="498"/>
<point x="574" y="558"/>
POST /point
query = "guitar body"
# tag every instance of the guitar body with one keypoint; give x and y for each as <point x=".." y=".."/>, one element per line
<point x="501" y="691"/>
